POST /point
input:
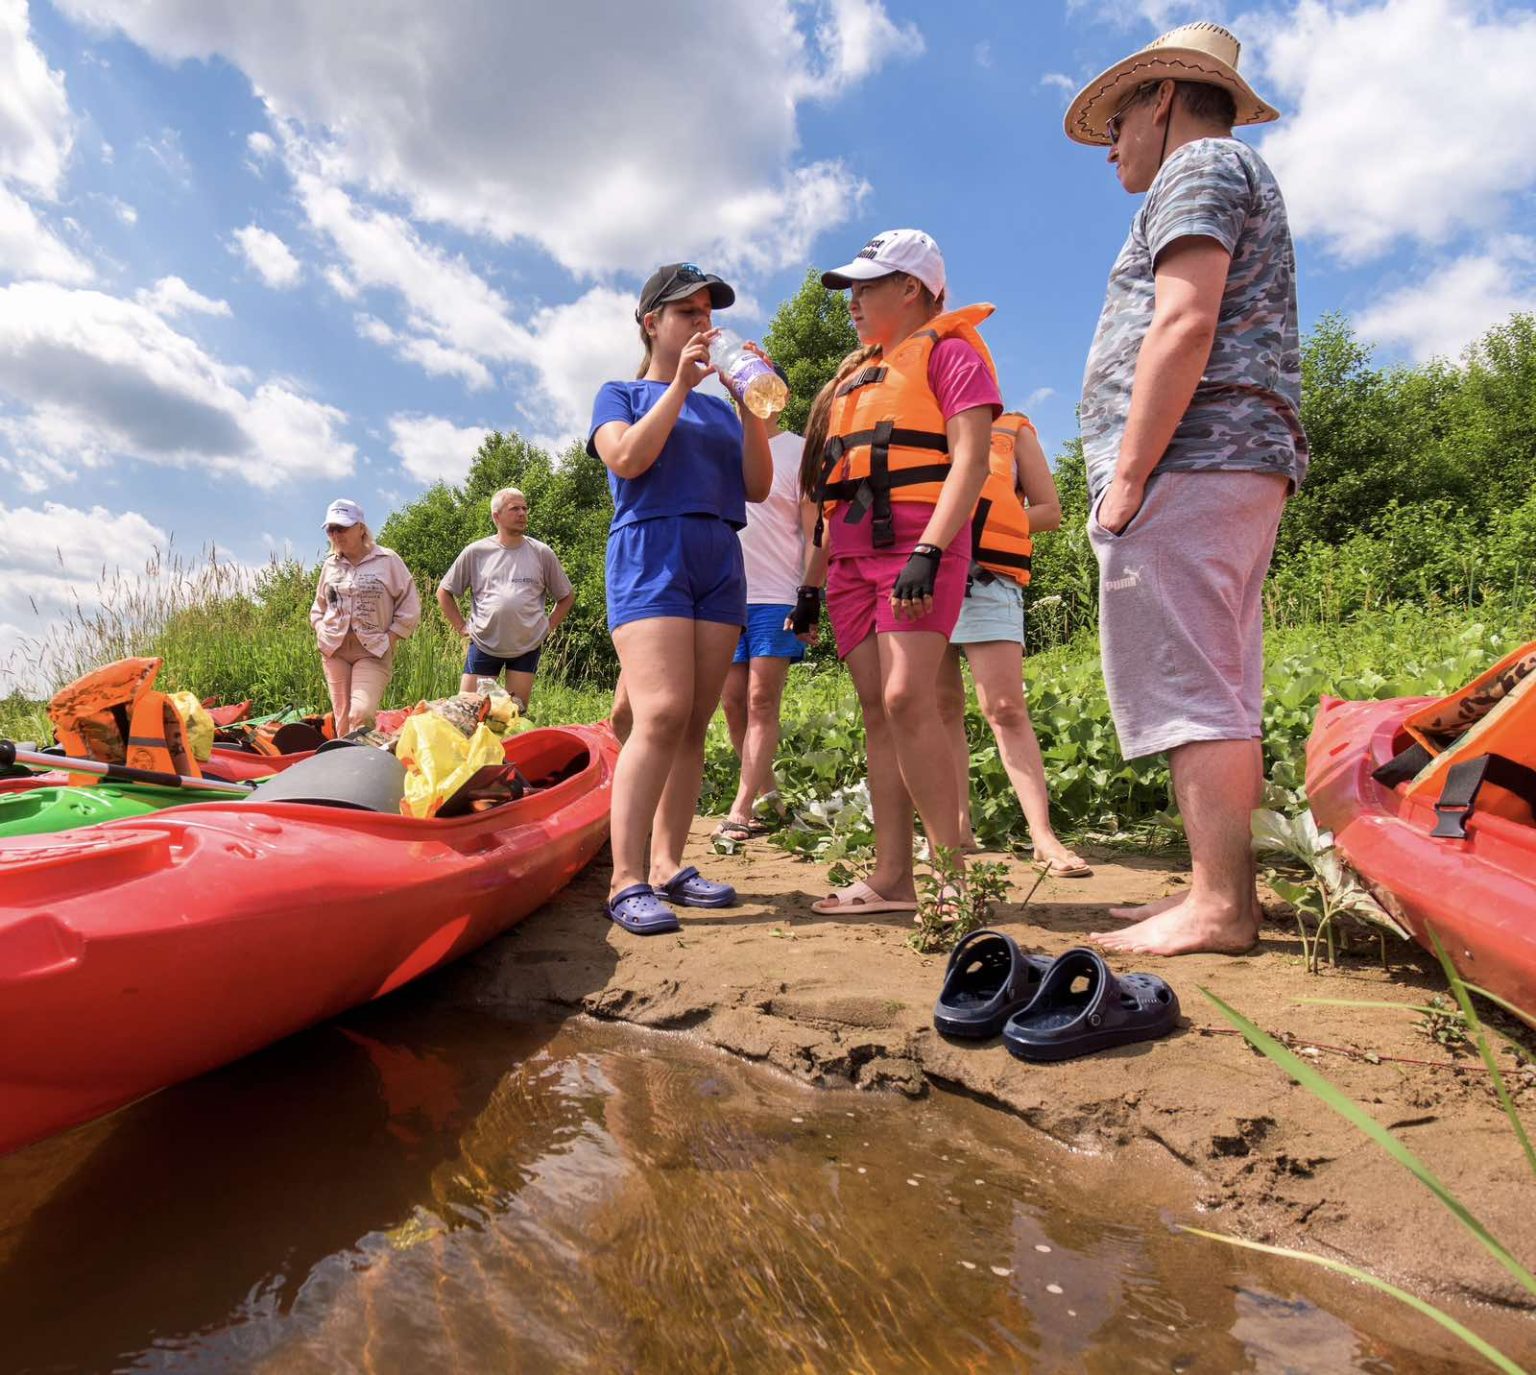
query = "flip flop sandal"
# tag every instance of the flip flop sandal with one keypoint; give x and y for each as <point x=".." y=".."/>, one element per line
<point x="689" y="888"/>
<point x="1075" y="867"/>
<point x="989" y="980"/>
<point x="859" y="897"/>
<point x="742" y="830"/>
<point x="640" y="912"/>
<point x="1065" y="1021"/>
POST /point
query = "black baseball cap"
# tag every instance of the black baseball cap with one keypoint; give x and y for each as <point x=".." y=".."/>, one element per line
<point x="674" y="281"/>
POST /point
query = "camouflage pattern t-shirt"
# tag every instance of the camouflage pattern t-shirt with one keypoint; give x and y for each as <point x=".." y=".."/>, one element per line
<point x="1245" y="413"/>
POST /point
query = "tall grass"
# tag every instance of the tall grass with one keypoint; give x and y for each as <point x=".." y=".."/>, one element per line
<point x="231" y="632"/>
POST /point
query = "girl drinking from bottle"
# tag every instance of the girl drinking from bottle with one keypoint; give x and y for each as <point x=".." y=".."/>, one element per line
<point x="681" y="467"/>
<point x="902" y="433"/>
<point x="1018" y="500"/>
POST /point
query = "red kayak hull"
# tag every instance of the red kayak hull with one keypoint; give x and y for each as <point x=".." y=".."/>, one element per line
<point x="138" y="953"/>
<point x="1478" y="894"/>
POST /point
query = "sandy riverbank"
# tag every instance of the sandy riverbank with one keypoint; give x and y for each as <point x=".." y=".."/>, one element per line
<point x="847" y="1002"/>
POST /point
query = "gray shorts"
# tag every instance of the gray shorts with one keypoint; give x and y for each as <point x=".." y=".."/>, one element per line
<point x="1181" y="618"/>
<point x="991" y="611"/>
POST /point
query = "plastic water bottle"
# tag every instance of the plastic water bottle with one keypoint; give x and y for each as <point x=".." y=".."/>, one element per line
<point x="747" y="377"/>
<point x="486" y="686"/>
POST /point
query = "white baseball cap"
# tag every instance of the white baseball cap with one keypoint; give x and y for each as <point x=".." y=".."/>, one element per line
<point x="343" y="512"/>
<point x="896" y="250"/>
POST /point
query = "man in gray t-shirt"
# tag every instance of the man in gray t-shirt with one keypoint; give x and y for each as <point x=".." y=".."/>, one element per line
<point x="1192" y="438"/>
<point x="510" y="579"/>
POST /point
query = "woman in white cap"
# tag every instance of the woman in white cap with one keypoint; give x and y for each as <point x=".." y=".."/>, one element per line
<point x="902" y="435"/>
<point x="365" y="605"/>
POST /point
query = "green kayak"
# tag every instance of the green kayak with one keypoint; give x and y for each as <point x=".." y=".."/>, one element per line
<point x="42" y="811"/>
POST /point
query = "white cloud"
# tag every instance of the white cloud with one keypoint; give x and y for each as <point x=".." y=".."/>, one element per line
<point x="1038" y="397"/>
<point x="60" y="566"/>
<point x="1407" y="120"/>
<point x="89" y="377"/>
<point x="1456" y="303"/>
<point x="857" y="38"/>
<point x="261" y="144"/>
<point x="981" y="54"/>
<point x="36" y="131"/>
<point x="1060" y="81"/>
<point x="1161" y="14"/>
<point x="432" y="449"/>
<point x="434" y="358"/>
<point x="566" y="157"/>
<point x="29" y="249"/>
<point x="172" y="296"/>
<point x="268" y="256"/>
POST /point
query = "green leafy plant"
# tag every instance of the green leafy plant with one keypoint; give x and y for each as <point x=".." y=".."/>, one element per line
<point x="1329" y="895"/>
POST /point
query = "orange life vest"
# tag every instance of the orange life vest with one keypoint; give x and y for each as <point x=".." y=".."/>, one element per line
<point x="1000" y="540"/>
<point x="114" y="715"/>
<point x="886" y="439"/>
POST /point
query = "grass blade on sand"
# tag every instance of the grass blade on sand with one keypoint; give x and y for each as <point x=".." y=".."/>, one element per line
<point x="1464" y="1000"/>
<point x="1489" y="1353"/>
<point x="1353" y="1113"/>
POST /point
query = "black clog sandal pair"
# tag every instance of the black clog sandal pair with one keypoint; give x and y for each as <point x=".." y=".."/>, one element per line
<point x="1048" y="1009"/>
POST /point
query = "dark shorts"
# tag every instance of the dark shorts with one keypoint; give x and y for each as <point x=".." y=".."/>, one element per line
<point x="765" y="636"/>
<point x="686" y="566"/>
<point x="486" y="665"/>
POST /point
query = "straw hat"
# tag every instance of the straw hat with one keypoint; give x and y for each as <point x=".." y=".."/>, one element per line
<point x="1200" y="52"/>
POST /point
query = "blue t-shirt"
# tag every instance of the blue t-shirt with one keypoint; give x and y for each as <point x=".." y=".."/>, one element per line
<point x="697" y="472"/>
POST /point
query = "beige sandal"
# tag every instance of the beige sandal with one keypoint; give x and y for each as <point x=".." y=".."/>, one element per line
<point x="859" y="897"/>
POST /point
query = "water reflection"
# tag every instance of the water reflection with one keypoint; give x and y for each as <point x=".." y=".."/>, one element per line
<point x="418" y="1189"/>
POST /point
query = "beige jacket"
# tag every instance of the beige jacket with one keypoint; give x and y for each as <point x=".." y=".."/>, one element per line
<point x="376" y="598"/>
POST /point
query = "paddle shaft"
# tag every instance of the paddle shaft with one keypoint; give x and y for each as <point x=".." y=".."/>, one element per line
<point x="10" y="753"/>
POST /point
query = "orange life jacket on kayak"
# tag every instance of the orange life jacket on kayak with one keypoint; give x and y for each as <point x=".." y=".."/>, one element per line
<point x="114" y="715"/>
<point x="886" y="439"/>
<point x="1488" y="729"/>
<point x="1000" y="541"/>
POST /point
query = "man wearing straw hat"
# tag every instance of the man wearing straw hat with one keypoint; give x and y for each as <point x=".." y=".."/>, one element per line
<point x="1192" y="439"/>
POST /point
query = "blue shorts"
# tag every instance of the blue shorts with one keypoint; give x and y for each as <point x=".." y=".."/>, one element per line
<point x="765" y="636"/>
<point x="688" y="566"/>
<point x="486" y="665"/>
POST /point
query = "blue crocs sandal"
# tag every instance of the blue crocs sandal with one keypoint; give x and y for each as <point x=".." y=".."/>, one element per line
<point x="639" y="911"/>
<point x="689" y="888"/>
<point x="1064" y="1022"/>
<point x="988" y="980"/>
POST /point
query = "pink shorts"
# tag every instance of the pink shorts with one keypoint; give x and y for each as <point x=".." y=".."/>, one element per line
<point x="859" y="594"/>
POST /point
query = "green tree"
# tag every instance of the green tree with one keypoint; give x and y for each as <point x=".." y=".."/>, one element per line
<point x="810" y="335"/>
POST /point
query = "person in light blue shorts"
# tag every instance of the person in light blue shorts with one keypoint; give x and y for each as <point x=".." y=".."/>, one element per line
<point x="773" y="549"/>
<point x="990" y="636"/>
<point x="682" y="467"/>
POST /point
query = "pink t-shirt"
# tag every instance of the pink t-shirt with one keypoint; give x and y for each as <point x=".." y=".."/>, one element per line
<point x="960" y="381"/>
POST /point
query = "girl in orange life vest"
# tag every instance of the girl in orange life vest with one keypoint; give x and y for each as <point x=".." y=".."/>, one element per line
<point x="681" y="467"/>
<point x="1018" y="501"/>
<point x="908" y="426"/>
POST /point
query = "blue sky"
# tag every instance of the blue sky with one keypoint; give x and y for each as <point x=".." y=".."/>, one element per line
<point x="253" y="257"/>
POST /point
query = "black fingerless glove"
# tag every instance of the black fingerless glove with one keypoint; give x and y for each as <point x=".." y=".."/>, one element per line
<point x="807" y="613"/>
<point x="915" y="581"/>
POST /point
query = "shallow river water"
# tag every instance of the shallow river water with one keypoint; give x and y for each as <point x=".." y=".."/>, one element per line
<point x="420" y="1189"/>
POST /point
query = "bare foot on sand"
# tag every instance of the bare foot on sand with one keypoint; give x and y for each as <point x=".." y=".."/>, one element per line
<point x="1149" y="909"/>
<point x="1188" y="927"/>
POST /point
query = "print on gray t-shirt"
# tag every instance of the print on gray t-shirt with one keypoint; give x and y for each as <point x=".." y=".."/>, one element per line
<point x="1246" y="410"/>
<point x="509" y="589"/>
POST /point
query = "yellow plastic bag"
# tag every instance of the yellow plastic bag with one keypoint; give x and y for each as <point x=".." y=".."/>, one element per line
<point x="438" y="760"/>
<point x="198" y="724"/>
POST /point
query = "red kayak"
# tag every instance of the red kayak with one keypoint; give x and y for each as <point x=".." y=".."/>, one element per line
<point x="1476" y="890"/>
<point x="142" y="952"/>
